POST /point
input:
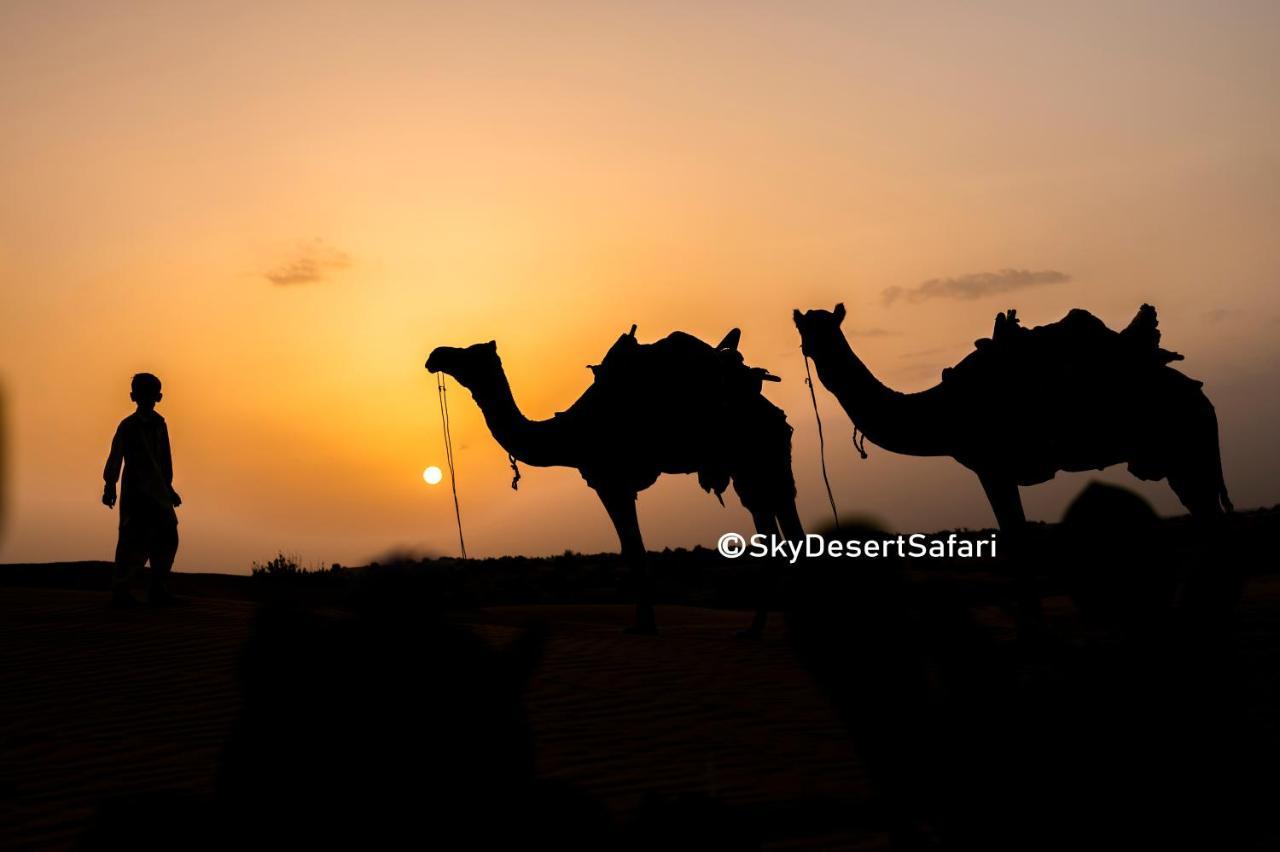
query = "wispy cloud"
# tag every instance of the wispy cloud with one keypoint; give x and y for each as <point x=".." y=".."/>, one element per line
<point x="315" y="261"/>
<point x="932" y="351"/>
<point x="1217" y="315"/>
<point x="871" y="331"/>
<point x="975" y="285"/>
<point x="854" y="333"/>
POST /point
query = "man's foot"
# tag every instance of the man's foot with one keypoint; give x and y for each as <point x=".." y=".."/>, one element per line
<point x="161" y="597"/>
<point x="121" y="599"/>
<point x="641" y="630"/>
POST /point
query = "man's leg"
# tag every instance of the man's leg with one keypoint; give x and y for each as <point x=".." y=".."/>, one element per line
<point x="129" y="558"/>
<point x="164" y="547"/>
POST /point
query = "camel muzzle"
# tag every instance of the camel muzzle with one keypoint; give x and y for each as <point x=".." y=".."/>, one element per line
<point x="433" y="364"/>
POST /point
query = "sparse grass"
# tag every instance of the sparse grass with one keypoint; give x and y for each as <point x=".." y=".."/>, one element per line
<point x="289" y="565"/>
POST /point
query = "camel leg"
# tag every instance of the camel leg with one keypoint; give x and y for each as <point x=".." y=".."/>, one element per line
<point x="767" y="526"/>
<point x="1213" y="585"/>
<point x="621" y="507"/>
<point x="1199" y="492"/>
<point x="789" y="520"/>
<point x="1005" y="501"/>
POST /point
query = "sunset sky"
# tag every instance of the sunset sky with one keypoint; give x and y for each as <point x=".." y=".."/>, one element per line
<point x="281" y="208"/>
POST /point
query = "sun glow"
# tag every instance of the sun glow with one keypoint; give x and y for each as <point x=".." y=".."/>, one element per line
<point x="432" y="475"/>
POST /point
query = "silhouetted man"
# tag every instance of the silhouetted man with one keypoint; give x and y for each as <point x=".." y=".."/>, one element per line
<point x="148" y="522"/>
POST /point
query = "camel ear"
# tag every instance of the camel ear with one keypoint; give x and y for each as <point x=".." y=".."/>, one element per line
<point x="796" y="315"/>
<point x="493" y="345"/>
<point x="839" y="313"/>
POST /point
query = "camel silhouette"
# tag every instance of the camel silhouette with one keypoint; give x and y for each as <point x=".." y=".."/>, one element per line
<point x="677" y="405"/>
<point x="1072" y="395"/>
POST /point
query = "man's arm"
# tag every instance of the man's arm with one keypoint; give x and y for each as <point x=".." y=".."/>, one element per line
<point x="111" y="473"/>
<point x="166" y="463"/>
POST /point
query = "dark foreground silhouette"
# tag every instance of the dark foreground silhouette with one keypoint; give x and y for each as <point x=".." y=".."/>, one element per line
<point x="677" y="405"/>
<point x="148" y="523"/>
<point x="438" y="750"/>
<point x="1133" y="735"/>
<point x="1068" y="396"/>
<point x="1141" y="718"/>
<point x="386" y="726"/>
<point x="4" y="462"/>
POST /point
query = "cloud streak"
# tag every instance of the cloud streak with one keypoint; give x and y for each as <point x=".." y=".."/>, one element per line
<point x="975" y="285"/>
<point x="870" y="331"/>
<point x="315" y="261"/>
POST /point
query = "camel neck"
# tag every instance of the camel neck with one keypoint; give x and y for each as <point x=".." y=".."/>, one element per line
<point x="909" y="424"/>
<point x="540" y="443"/>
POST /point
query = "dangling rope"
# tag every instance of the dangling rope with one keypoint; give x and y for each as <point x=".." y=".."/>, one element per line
<point x="515" y="479"/>
<point x="448" y="456"/>
<point x="859" y="441"/>
<point x="822" y="444"/>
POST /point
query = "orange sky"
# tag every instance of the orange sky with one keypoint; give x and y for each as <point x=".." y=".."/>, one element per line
<point x="547" y="174"/>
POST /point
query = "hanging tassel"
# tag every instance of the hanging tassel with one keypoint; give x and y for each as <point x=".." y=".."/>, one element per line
<point x="515" y="480"/>
<point x="860" y="442"/>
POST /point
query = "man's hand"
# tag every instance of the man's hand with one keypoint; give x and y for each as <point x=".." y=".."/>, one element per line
<point x="177" y="501"/>
<point x="109" y="495"/>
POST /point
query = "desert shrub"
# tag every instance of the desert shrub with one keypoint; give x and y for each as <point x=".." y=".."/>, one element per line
<point x="281" y="565"/>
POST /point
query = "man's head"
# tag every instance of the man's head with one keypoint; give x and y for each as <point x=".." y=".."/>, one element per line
<point x="145" y="390"/>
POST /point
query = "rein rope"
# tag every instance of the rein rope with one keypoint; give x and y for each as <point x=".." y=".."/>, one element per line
<point x="448" y="455"/>
<point x="822" y="444"/>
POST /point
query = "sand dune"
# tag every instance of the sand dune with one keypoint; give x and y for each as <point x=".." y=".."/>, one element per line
<point x="101" y="703"/>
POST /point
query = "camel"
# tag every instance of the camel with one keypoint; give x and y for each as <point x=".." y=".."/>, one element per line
<point x="677" y="405"/>
<point x="1073" y="395"/>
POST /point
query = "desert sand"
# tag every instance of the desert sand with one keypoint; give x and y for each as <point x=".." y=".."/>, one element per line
<point x="103" y="703"/>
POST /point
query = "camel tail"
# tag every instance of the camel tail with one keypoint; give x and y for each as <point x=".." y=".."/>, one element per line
<point x="1223" y="497"/>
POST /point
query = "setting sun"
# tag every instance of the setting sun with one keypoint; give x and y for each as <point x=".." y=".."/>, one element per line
<point x="432" y="475"/>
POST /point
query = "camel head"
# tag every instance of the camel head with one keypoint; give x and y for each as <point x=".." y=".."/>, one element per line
<point x="470" y="366"/>
<point x="818" y="328"/>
